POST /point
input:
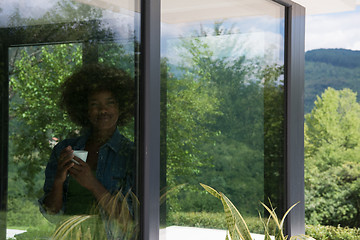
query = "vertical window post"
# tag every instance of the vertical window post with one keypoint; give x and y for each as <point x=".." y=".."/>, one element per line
<point x="149" y="120"/>
<point x="295" y="119"/>
<point x="4" y="133"/>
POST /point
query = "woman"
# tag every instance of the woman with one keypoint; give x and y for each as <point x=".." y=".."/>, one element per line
<point x="99" y="99"/>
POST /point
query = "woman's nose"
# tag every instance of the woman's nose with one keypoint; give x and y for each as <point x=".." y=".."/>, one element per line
<point x="103" y="108"/>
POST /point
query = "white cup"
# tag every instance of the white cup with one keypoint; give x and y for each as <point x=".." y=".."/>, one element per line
<point x="82" y="154"/>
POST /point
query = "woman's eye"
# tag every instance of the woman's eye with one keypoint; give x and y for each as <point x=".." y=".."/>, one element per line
<point x="93" y="104"/>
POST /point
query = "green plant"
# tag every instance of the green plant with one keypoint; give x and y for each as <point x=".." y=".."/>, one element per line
<point x="115" y="217"/>
<point x="237" y="227"/>
<point x="333" y="198"/>
<point x="332" y="233"/>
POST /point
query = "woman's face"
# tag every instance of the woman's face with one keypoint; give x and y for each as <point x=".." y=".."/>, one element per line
<point x="103" y="110"/>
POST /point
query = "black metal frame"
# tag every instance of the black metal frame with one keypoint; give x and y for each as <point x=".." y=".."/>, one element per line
<point x="149" y="113"/>
<point x="294" y="76"/>
<point x="4" y="139"/>
<point x="295" y="58"/>
<point x="149" y="117"/>
<point x="86" y="33"/>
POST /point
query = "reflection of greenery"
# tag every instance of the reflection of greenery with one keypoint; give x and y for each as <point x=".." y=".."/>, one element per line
<point x="214" y="117"/>
<point x="274" y="135"/>
<point x="246" y="111"/>
<point x="190" y="104"/>
<point x="24" y="214"/>
<point x="34" y="83"/>
<point x="119" y="220"/>
<point x="36" y="74"/>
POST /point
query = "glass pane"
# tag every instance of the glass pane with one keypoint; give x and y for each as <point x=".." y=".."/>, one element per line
<point x="223" y="113"/>
<point x="72" y="71"/>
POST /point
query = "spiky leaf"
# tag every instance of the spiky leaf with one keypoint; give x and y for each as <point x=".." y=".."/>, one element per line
<point x="238" y="228"/>
<point x="211" y="191"/>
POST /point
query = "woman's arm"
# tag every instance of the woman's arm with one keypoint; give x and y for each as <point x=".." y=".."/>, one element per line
<point x="54" y="199"/>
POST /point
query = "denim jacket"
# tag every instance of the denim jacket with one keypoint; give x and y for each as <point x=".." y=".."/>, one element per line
<point x="115" y="167"/>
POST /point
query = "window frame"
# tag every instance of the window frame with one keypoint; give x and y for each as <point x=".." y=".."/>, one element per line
<point x="294" y="90"/>
<point x="148" y="122"/>
<point x="295" y="75"/>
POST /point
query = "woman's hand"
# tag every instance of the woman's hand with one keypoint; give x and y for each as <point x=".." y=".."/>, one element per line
<point x="54" y="200"/>
<point x="82" y="174"/>
<point x="64" y="164"/>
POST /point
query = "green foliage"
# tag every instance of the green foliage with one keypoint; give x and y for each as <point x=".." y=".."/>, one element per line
<point x="332" y="164"/>
<point x="337" y="57"/>
<point x="274" y="135"/>
<point x="240" y="92"/>
<point x="36" y="74"/>
<point x="332" y="130"/>
<point x="322" y="71"/>
<point x="190" y="105"/>
<point x="319" y="232"/>
<point x="34" y="84"/>
<point x="333" y="196"/>
<point x="118" y="219"/>
<point x="238" y="163"/>
<point x="118" y="55"/>
<point x="236" y="170"/>
<point x="80" y="227"/>
<point x="237" y="226"/>
<point x="111" y="215"/>
<point x="23" y="212"/>
<point x="219" y="112"/>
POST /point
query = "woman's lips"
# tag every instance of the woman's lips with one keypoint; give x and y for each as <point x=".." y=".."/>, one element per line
<point x="104" y="118"/>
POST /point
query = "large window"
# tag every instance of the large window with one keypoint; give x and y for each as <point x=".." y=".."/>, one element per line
<point x="204" y="92"/>
<point x="64" y="59"/>
<point x="223" y="111"/>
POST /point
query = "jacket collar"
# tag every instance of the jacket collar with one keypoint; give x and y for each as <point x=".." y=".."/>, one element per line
<point x="114" y="143"/>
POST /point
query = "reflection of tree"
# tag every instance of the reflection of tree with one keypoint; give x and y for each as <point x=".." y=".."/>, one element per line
<point x="189" y="105"/>
<point x="35" y="82"/>
<point x="246" y="124"/>
<point x="274" y="136"/>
